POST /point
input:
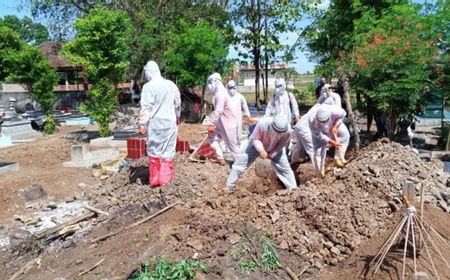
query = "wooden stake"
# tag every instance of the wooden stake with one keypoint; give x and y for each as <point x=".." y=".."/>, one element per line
<point x="136" y="223"/>
<point x="291" y="273"/>
<point x="92" y="267"/>
<point x="95" y="210"/>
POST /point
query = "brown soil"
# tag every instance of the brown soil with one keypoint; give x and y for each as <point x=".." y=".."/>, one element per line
<point x="333" y="224"/>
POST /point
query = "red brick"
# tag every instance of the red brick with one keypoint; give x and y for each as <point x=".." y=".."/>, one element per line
<point x="136" y="148"/>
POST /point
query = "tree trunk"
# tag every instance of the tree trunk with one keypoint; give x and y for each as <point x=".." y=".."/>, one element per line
<point x="266" y="58"/>
<point x="202" y="104"/>
<point x="351" y="116"/>
<point x="447" y="146"/>
<point x="256" y="54"/>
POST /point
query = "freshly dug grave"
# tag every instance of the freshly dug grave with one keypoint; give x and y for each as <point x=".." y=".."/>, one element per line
<point x="319" y="224"/>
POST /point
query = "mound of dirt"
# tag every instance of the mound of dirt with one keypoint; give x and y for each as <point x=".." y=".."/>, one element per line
<point x="320" y="223"/>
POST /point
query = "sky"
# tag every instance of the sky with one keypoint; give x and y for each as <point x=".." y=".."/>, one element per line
<point x="301" y="63"/>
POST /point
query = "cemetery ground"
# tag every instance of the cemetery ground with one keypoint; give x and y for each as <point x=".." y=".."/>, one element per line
<point x="329" y="228"/>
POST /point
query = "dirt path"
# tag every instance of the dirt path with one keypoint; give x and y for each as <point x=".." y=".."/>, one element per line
<point x="40" y="162"/>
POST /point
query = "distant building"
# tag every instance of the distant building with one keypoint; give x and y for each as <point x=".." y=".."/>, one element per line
<point x="246" y="75"/>
<point x="72" y="85"/>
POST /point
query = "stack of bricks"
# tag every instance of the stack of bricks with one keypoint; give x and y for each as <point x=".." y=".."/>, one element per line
<point x="136" y="148"/>
<point x="182" y="146"/>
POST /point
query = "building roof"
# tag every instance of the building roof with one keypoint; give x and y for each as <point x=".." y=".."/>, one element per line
<point x="51" y="51"/>
<point x="271" y="67"/>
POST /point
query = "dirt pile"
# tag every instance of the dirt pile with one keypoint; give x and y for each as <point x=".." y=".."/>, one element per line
<point x="130" y="187"/>
<point x="320" y="223"/>
<point x="326" y="219"/>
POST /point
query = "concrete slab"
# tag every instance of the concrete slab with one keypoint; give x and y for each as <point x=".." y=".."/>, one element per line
<point x="82" y="157"/>
<point x="6" y="167"/>
<point x="18" y="129"/>
<point x="5" y="141"/>
<point x="79" y="121"/>
<point x="109" y="142"/>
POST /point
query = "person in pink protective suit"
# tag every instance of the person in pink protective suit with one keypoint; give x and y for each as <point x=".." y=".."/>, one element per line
<point x="331" y="96"/>
<point x="160" y="109"/>
<point x="267" y="141"/>
<point x="237" y="100"/>
<point x="327" y="128"/>
<point x="224" y="120"/>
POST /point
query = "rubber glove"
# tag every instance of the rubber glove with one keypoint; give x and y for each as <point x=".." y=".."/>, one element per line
<point x="211" y="129"/>
<point x="250" y="119"/>
<point x="141" y="130"/>
<point x="334" y="130"/>
<point x="263" y="154"/>
<point x="335" y="144"/>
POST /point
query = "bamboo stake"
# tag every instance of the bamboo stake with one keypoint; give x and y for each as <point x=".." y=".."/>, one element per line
<point x="406" y="247"/>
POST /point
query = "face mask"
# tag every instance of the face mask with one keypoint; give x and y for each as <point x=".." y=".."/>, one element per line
<point x="279" y="90"/>
<point x="211" y="87"/>
<point x="232" y="92"/>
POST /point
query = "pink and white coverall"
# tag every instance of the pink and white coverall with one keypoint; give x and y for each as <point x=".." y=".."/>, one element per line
<point x="225" y="118"/>
<point x="238" y="101"/>
<point x="264" y="137"/>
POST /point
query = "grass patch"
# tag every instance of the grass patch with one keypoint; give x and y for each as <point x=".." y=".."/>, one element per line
<point x="160" y="269"/>
<point x="256" y="252"/>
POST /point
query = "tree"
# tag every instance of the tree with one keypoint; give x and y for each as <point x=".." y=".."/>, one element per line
<point x="154" y="21"/>
<point x="102" y="47"/>
<point x="259" y="24"/>
<point x="28" y="31"/>
<point x="27" y="65"/>
<point x="196" y="52"/>
<point x="9" y="44"/>
<point x="392" y="59"/>
<point x="332" y="30"/>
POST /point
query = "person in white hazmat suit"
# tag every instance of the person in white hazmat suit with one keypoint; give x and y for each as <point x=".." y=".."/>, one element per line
<point x="160" y="109"/>
<point x="327" y="128"/>
<point x="304" y="137"/>
<point x="267" y="142"/>
<point x="282" y="102"/>
<point x="332" y="97"/>
<point x="239" y="104"/>
<point x="224" y="120"/>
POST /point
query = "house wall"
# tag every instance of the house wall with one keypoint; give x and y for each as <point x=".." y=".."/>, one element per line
<point x="247" y="78"/>
<point x="22" y="96"/>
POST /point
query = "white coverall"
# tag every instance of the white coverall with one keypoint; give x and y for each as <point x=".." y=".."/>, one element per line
<point x="160" y="108"/>
<point x="322" y="133"/>
<point x="264" y="137"/>
<point x="304" y="137"/>
<point x="225" y="119"/>
<point x="332" y="97"/>
<point x="282" y="102"/>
